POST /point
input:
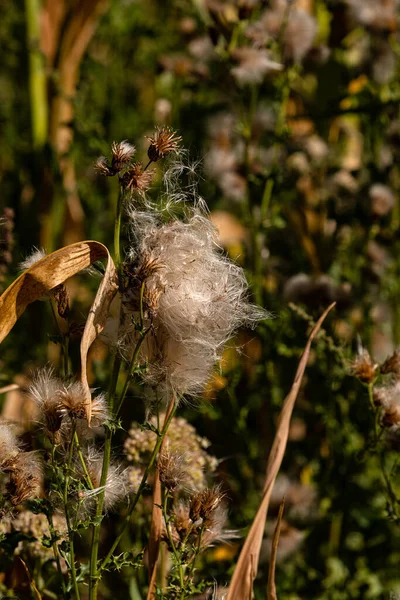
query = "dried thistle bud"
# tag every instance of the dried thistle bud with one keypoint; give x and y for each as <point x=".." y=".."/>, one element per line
<point x="172" y="471"/>
<point x="391" y="365"/>
<point x="122" y="154"/>
<point x="73" y="400"/>
<point x="363" y="368"/>
<point x="25" y="478"/>
<point x="391" y="415"/>
<point x="204" y="503"/>
<point x="60" y="296"/>
<point x="136" y="179"/>
<point x="164" y="141"/>
<point x="45" y="391"/>
<point x="181" y="518"/>
<point x="379" y="396"/>
<point x="103" y="168"/>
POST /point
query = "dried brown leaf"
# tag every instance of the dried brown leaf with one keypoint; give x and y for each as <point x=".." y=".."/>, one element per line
<point x="241" y="585"/>
<point x="271" y="588"/>
<point x="48" y="273"/>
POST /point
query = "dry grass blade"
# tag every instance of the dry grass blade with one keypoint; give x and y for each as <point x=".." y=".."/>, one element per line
<point x="241" y="585"/>
<point x="48" y="273"/>
<point x="271" y="588"/>
<point x="31" y="581"/>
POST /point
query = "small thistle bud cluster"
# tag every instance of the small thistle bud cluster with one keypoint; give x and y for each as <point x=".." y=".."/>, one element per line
<point x="134" y="176"/>
<point x="185" y="460"/>
<point x="122" y="154"/>
<point x="202" y="515"/>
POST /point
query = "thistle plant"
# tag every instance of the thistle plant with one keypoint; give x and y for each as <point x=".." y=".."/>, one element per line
<point x="180" y="301"/>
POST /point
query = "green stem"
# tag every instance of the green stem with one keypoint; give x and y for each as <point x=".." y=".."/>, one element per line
<point x="142" y="485"/>
<point x="389" y="488"/>
<point x="82" y="461"/>
<point x="94" y="572"/>
<point x="56" y="555"/>
<point x="37" y="75"/>
<point x="67" y="517"/>
<point x="172" y="544"/>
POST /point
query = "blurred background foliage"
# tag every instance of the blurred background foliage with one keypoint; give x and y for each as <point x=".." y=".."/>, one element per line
<point x="290" y="113"/>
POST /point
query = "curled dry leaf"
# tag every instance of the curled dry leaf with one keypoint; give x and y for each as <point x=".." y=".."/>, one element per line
<point x="271" y="588"/>
<point x="241" y="585"/>
<point x="48" y="273"/>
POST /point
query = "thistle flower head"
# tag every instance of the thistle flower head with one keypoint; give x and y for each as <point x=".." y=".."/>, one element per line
<point x="362" y="366"/>
<point x="392" y="365"/>
<point x="45" y="391"/>
<point x="122" y="154"/>
<point x="136" y="179"/>
<point x="102" y="167"/>
<point x="204" y="503"/>
<point x="25" y="477"/>
<point x="172" y="469"/>
<point x="73" y="400"/>
<point x="164" y="141"/>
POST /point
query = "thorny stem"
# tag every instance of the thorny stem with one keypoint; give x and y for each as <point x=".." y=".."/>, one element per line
<point x="53" y="533"/>
<point x="171" y="542"/>
<point x="67" y="517"/>
<point x="161" y="435"/>
<point x="196" y="554"/>
<point x="82" y="461"/>
<point x="94" y="574"/>
<point x="389" y="488"/>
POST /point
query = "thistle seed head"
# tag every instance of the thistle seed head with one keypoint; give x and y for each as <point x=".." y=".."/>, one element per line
<point x="122" y="154"/>
<point x="164" y="141"/>
<point x="363" y="368"/>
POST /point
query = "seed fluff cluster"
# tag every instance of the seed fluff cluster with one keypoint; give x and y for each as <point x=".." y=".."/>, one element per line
<point x="195" y="298"/>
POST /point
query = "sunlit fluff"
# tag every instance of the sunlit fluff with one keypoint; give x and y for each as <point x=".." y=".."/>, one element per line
<point x="201" y="300"/>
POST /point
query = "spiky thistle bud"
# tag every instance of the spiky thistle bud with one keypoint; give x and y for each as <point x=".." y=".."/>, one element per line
<point x="136" y="179"/>
<point x="25" y="477"/>
<point x="391" y="365"/>
<point x="363" y="368"/>
<point x="122" y="154"/>
<point x="164" y="141"/>
<point x="45" y="390"/>
<point x="172" y="470"/>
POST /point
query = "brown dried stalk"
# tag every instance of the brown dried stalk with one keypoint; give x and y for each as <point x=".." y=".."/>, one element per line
<point x="241" y="585"/>
<point x="271" y="588"/>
